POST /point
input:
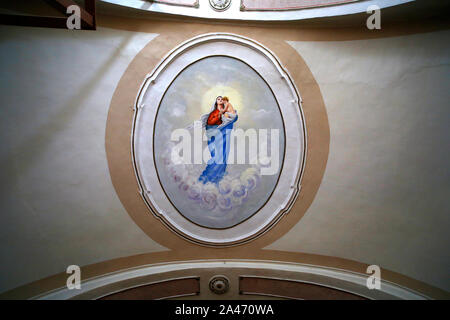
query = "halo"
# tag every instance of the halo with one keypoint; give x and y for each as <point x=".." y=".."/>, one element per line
<point x="210" y="95"/>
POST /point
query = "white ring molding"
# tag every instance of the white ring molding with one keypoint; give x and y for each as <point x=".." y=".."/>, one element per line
<point x="234" y="13"/>
<point x="148" y="100"/>
<point x="347" y="281"/>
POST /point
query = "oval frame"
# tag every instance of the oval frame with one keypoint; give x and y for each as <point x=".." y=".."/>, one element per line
<point x="284" y="147"/>
<point x="148" y="100"/>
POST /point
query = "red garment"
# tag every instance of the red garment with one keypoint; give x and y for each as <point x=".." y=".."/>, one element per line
<point x="214" y="118"/>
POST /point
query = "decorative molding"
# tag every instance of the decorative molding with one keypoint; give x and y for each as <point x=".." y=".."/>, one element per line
<point x="338" y="279"/>
<point x="292" y="289"/>
<point x="289" y="101"/>
<point x="178" y="3"/>
<point x="174" y="288"/>
<point x="236" y="13"/>
<point x="222" y="6"/>
<point x="219" y="284"/>
<point x="299" y="5"/>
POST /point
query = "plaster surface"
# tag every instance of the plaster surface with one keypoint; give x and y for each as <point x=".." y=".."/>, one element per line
<point x="58" y="206"/>
<point x="384" y="196"/>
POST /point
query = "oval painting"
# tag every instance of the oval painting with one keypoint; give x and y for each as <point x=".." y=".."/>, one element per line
<point x="219" y="142"/>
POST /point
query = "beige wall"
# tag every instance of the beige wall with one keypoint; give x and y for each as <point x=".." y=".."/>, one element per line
<point x="384" y="196"/>
<point x="382" y="199"/>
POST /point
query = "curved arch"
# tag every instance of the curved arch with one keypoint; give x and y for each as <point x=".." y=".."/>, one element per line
<point x="341" y="280"/>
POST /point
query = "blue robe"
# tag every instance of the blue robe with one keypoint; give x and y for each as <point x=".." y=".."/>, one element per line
<point x="219" y="147"/>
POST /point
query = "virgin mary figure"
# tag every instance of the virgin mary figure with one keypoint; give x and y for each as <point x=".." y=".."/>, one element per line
<point x="218" y="125"/>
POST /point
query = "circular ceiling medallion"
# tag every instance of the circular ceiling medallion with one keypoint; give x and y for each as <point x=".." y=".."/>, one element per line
<point x="219" y="140"/>
<point x="220" y="5"/>
<point x="219" y="284"/>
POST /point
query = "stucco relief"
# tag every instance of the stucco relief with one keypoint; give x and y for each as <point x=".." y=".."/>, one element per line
<point x="219" y="140"/>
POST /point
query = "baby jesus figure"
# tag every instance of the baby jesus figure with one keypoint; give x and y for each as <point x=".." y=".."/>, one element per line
<point x="228" y="107"/>
<point x="225" y="108"/>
